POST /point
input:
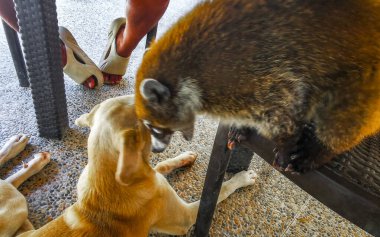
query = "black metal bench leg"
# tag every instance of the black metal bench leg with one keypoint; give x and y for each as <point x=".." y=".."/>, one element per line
<point x="17" y="56"/>
<point x="39" y="32"/>
<point x="217" y="166"/>
<point x="241" y="157"/>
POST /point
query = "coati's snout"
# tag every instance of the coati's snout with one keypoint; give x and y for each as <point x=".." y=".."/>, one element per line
<point x="163" y="113"/>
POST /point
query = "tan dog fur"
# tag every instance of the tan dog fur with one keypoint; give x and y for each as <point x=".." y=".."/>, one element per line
<point x="119" y="193"/>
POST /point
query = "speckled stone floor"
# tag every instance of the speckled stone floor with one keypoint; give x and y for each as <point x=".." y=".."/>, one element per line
<point x="272" y="207"/>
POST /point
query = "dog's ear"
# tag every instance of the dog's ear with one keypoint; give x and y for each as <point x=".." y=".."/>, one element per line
<point x="130" y="157"/>
<point x="85" y="120"/>
<point x="154" y="91"/>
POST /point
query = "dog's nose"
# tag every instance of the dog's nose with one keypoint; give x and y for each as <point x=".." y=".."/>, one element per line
<point x="158" y="150"/>
<point x="158" y="145"/>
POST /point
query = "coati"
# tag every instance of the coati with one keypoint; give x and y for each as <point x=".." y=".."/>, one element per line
<point x="284" y="67"/>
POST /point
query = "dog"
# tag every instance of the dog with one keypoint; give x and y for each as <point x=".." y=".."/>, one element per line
<point x="13" y="205"/>
<point x="119" y="193"/>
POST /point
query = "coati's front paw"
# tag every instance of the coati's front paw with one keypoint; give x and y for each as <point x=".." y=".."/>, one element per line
<point x="236" y="135"/>
<point x="284" y="156"/>
<point x="315" y="157"/>
<point x="308" y="153"/>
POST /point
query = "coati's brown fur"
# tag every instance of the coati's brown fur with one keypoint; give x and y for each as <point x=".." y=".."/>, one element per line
<point x="273" y="65"/>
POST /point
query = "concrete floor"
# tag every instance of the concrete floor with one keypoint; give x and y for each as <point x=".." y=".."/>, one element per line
<point x="272" y="207"/>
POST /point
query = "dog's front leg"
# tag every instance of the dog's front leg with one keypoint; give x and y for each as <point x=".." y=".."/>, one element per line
<point x="29" y="169"/>
<point x="179" y="216"/>
<point x="239" y="180"/>
<point x="167" y="166"/>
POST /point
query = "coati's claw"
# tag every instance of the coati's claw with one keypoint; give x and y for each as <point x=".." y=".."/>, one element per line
<point x="289" y="168"/>
<point x="295" y="156"/>
<point x="236" y="135"/>
<point x="277" y="165"/>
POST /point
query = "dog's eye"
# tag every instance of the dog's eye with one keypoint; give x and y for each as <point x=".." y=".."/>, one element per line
<point x="150" y="127"/>
<point x="146" y="123"/>
<point x="157" y="130"/>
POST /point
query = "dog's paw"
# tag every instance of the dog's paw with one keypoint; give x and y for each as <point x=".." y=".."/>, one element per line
<point x="39" y="161"/>
<point x="187" y="158"/>
<point x="245" y="178"/>
<point x="14" y="146"/>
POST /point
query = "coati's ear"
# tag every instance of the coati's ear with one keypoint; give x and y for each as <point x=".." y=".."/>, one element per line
<point x="85" y="120"/>
<point x="130" y="157"/>
<point x="154" y="91"/>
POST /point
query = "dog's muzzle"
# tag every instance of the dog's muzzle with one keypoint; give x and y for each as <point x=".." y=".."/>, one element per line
<point x="160" y="137"/>
<point x="159" y="145"/>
